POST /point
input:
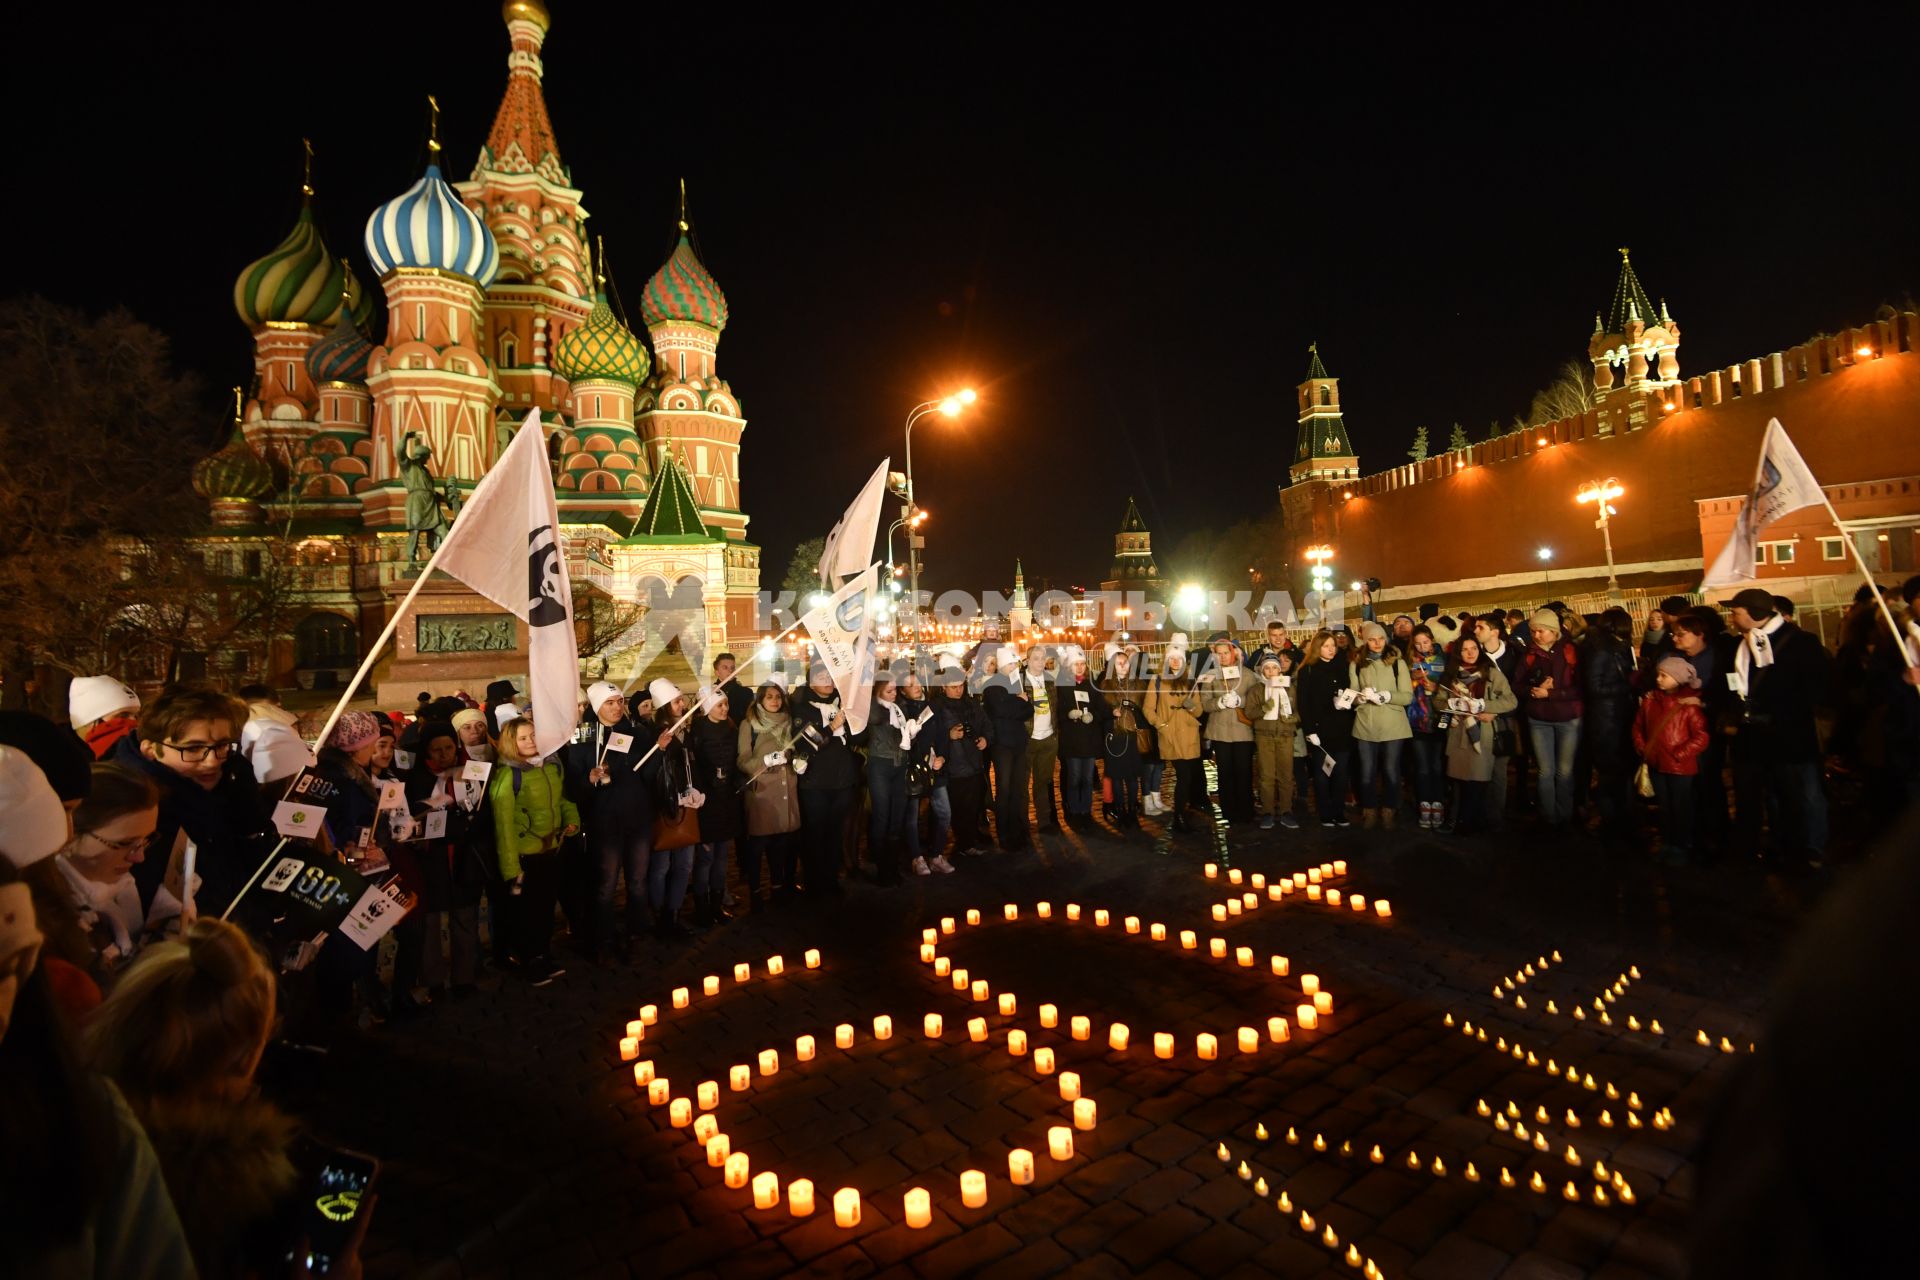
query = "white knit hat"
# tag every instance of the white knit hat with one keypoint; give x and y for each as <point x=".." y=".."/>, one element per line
<point x="1178" y="640"/>
<point x="663" y="691"/>
<point x="502" y="714"/>
<point x="36" y="822"/>
<point x="599" y="692"/>
<point x="1007" y="656"/>
<point x="92" y="698"/>
<point x="274" y="750"/>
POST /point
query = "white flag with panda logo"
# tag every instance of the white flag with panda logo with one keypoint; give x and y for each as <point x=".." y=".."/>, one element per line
<point x="505" y="544"/>
<point x="842" y="630"/>
<point x="1781" y="484"/>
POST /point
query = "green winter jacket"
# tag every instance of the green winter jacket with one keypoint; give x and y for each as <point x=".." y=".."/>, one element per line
<point x="1389" y="674"/>
<point x="528" y="818"/>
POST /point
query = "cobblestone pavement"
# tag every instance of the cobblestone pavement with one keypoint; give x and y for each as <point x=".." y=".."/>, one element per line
<point x="517" y="1143"/>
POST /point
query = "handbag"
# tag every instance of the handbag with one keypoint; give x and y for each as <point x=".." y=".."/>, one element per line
<point x="1643" y="781"/>
<point x="677" y="832"/>
<point x="1506" y="740"/>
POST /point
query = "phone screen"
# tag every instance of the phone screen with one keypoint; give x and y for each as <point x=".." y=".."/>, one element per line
<point x="335" y="1192"/>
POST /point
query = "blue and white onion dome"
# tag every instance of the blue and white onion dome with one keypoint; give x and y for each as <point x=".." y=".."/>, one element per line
<point x="426" y="226"/>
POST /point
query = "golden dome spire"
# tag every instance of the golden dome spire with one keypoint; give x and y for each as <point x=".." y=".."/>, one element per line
<point x="306" y="178"/>
<point x="600" y="261"/>
<point x="683" y="206"/>
<point x="526" y="11"/>
<point x="433" y="130"/>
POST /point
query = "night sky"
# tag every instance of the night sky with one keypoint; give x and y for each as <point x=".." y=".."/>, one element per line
<point x="1124" y="232"/>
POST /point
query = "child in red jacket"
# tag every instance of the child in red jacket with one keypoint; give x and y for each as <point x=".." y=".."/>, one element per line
<point x="1670" y="732"/>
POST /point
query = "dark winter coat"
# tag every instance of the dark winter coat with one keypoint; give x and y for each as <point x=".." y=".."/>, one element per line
<point x="624" y="799"/>
<point x="1313" y="690"/>
<point x="833" y="766"/>
<point x="1011" y="714"/>
<point x="228" y="823"/>
<point x="716" y="748"/>
<point x="1774" y="724"/>
<point x="1127" y="708"/>
<point x="1606" y="679"/>
<point x="1080" y="740"/>
<point x="963" y="756"/>
<point x="1670" y="732"/>
<point x="1561" y="663"/>
<point x="228" y="1169"/>
<point x="454" y="871"/>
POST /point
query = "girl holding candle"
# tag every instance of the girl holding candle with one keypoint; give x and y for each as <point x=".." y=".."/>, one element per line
<point x="1173" y="707"/>
<point x="1476" y="695"/>
<point x="1121" y="753"/>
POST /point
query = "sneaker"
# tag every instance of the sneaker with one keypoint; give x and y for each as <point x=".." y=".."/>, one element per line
<point x="920" y="867"/>
<point x="1329" y="823"/>
<point x="941" y="865"/>
<point x="973" y="852"/>
<point x="1266" y="822"/>
<point x="1290" y="822"/>
<point x="1342" y="821"/>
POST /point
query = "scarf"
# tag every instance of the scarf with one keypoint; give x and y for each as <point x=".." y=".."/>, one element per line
<point x="1278" y="704"/>
<point x="1756" y="650"/>
<point x="114" y="908"/>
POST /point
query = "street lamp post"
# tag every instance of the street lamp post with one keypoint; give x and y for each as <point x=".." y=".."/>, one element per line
<point x="1546" y="570"/>
<point x="949" y="406"/>
<point x="1602" y="493"/>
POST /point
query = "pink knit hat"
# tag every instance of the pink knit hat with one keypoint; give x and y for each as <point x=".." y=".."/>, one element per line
<point x="356" y="729"/>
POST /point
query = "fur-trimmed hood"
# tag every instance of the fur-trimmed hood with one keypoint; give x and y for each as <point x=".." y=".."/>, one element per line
<point x="227" y="1167"/>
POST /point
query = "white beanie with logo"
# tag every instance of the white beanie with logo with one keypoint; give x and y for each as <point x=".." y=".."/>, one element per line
<point x="92" y="698"/>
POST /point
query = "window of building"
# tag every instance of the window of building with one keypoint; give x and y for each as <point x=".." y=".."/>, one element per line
<point x="1783" y="552"/>
<point x="1760" y="553"/>
<point x="509" y="349"/>
<point x="1832" y="549"/>
<point x="1326" y="395"/>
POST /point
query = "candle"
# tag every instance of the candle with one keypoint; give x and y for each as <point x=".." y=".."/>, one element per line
<point x="812" y="958"/>
<point x="1085" y="1113"/>
<point x="919" y="1208"/>
<point x="1358" y="902"/>
<point x="1060" y="1142"/>
<point x="680" y="1113"/>
<point x="1012" y="911"/>
<point x="766" y="1190"/>
<point x="1323" y="1002"/>
<point x="1243" y="956"/>
<point x="1162" y="1044"/>
<point x="843" y="1036"/>
<point x="1300" y="879"/>
<point x="1016" y="1042"/>
<point x="1188" y="940"/>
<point x="1044" y="910"/>
<point x="882" y="1027"/>
<point x="649" y="1014"/>
<point x="1275" y="892"/>
<point x="707" y="1094"/>
<point x="1157" y="932"/>
<point x="973" y="915"/>
<point x="934" y="1026"/>
<point x="1213" y="870"/>
<point x="1081" y="1026"/>
<point x="1007" y="1004"/>
<point x="942" y="967"/>
<point x="679" y="997"/>
<point x="929" y="935"/>
<point x="976" y="1029"/>
<point x="800" y="1197"/>
<point x="1313" y="892"/>
<point x="1287" y="887"/>
<point x="1100" y="918"/>
<point x="1333" y="897"/>
<point x="1279" y="964"/>
<point x="658" y="1091"/>
<point x="629" y="1048"/>
<point x="1309" y="983"/>
<point x="1249" y="1040"/>
<point x="1049" y="1015"/>
<point x="1234" y="906"/>
<point x="1257" y="880"/>
<point x="1020" y="1167"/>
<point x="1043" y="1061"/>
<point x="979" y="990"/>
<point x="1117" y="1036"/>
<point x="1233" y="876"/>
<point x="636" y="1028"/>
<point x="741" y="972"/>
<point x="769" y="1061"/>
<point x="1339" y="866"/>
<point x="1073" y="911"/>
<point x="710" y="985"/>
<point x="1307" y="1016"/>
<point x="1219" y="912"/>
<point x="973" y="1189"/>
<point x="1132" y="924"/>
<point x="719" y="1148"/>
<point x="1069" y="1085"/>
<point x="1217" y="948"/>
<point x="1277" y="1030"/>
<point x="1250" y="900"/>
<point x="704" y="1128"/>
<point x="803" y="1049"/>
<point x="1207" y="1045"/>
<point x="959" y="979"/>
<point x="643" y="1073"/>
<point x="1313" y="875"/>
<point x="927" y="952"/>
<point x="946" y="924"/>
<point x="846" y="1207"/>
<point x="1382" y="908"/>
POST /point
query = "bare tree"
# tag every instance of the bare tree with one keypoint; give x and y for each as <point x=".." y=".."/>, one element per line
<point x="1569" y="395"/>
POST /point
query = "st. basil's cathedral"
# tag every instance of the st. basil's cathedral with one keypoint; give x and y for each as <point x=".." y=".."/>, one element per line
<point x="496" y="304"/>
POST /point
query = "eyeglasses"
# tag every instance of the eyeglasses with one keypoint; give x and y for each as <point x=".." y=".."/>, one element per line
<point x="133" y="844"/>
<point x="195" y="752"/>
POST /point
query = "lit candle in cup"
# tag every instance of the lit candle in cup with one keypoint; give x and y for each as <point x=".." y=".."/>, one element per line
<point x="1358" y="902"/>
<point x="1382" y="908"/>
<point x="1257" y="880"/>
<point x="1157" y="932"/>
<point x="1300" y="879"/>
<point x="959" y="979"/>
<point x="649" y="1014"/>
<point x="1333" y="897"/>
<point x="741" y="972"/>
<point x="934" y="1026"/>
<point x="707" y="1094"/>
<point x="942" y="966"/>
<point x="1275" y="892"/>
<point x="1049" y="1015"/>
<point x="882" y="1027"/>
<point x="927" y="952"/>
<point x="929" y="935"/>
<point x="1313" y="892"/>
<point x="680" y="997"/>
<point x="1323" y="1002"/>
<point x="710" y="985"/>
<point x="1044" y="910"/>
<point x="1020" y="1167"/>
<point x="1309" y="983"/>
<point x="980" y="991"/>
<point x="919" y="1208"/>
<point x="1249" y="1040"/>
<point x="1085" y="1113"/>
<point x="1277" y="1030"/>
<point x="704" y="1128"/>
<point x="1233" y="876"/>
<point x="1250" y="900"/>
<point x="1163" y="1044"/>
<point x="800" y="1197"/>
<point x="1286" y="887"/>
<point x="1017" y="1042"/>
<point x="659" y="1090"/>
<point x="1339" y="866"/>
<point x="1217" y="948"/>
<point x="1213" y="870"/>
<point x="976" y="1029"/>
<point x="1307" y="1016"/>
<point x="643" y="1073"/>
<point x="803" y="1049"/>
<point x="1132" y="924"/>
<point x="1043" y="1061"/>
<point x="1243" y="956"/>
<point x="735" y="1170"/>
<point x="1069" y="1085"/>
<point x="1007" y="1004"/>
<point x="719" y="1147"/>
<point x="1100" y="918"/>
<point x="1279" y="965"/>
<point x="1011" y="910"/>
<point x="812" y="958"/>
<point x="973" y="1189"/>
<point x="769" y="1061"/>
<point x="1117" y="1036"/>
<point x="636" y="1028"/>
<point x="1219" y="913"/>
<point x="946" y="924"/>
<point x="846" y="1207"/>
<point x="1188" y="940"/>
<point x="1073" y="911"/>
<point x="766" y="1190"/>
<point x="843" y="1036"/>
<point x="1313" y="875"/>
<point x="680" y="1113"/>
<point x="973" y="915"/>
<point x="1081" y="1026"/>
<point x="1234" y="906"/>
<point x="1207" y="1045"/>
<point x="629" y="1048"/>
<point x="1060" y="1142"/>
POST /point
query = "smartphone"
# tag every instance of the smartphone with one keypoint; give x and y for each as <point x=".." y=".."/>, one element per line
<point x="336" y="1191"/>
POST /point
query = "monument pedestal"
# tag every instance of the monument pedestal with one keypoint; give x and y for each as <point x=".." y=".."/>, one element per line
<point x="452" y="639"/>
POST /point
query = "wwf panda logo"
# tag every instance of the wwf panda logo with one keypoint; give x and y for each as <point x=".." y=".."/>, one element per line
<point x="546" y="605"/>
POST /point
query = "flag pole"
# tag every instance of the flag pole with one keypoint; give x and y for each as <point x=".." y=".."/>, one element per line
<point x="695" y="708"/>
<point x="1846" y="536"/>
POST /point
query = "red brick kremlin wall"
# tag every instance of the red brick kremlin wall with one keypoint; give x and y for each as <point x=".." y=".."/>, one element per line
<point x="1484" y="512"/>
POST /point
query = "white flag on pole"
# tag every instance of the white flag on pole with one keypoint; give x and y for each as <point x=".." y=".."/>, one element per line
<point x="506" y="546"/>
<point x="1781" y="484"/>
<point x="842" y="630"/>
<point x="850" y="544"/>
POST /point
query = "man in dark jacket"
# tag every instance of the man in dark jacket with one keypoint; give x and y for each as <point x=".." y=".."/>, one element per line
<point x="616" y="815"/>
<point x="1009" y="699"/>
<point x="1606" y="722"/>
<point x="739" y="697"/>
<point x="957" y="743"/>
<point x="1778" y="674"/>
<point x="828" y="783"/>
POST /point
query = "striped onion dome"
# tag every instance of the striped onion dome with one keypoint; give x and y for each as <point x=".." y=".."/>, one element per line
<point x="298" y="283"/>
<point x="427" y="226"/>
<point x="601" y="347"/>
<point x="235" y="472"/>
<point x="683" y="289"/>
<point x="341" y="356"/>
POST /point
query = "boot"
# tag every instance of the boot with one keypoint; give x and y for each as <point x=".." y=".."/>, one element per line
<point x="1388" y="815"/>
<point x="1366" y="819"/>
<point x="720" y="913"/>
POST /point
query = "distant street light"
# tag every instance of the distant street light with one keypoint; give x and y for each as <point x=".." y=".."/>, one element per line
<point x="1602" y="493"/>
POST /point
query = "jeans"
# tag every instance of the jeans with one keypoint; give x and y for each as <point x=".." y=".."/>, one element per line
<point x="823" y="821"/>
<point x="1379" y="762"/>
<point x="1010" y="795"/>
<point x="1554" y="742"/>
<point x="887" y="819"/>
<point x="1041" y="754"/>
<point x="1076" y="785"/>
<point x="1233" y="769"/>
<point x="668" y="871"/>
<point x="1429" y="768"/>
<point x="1792" y="798"/>
<point x="1674" y="793"/>
<point x="1126" y="794"/>
<point x="710" y="867"/>
<point x="1154" y="773"/>
<point x="1330" y="789"/>
<point x="1497" y="785"/>
<point x="940" y="809"/>
<point x="777" y="851"/>
<point x="617" y="852"/>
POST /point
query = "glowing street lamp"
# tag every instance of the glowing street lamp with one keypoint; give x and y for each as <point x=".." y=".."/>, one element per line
<point x="1602" y="493"/>
<point x="951" y="407"/>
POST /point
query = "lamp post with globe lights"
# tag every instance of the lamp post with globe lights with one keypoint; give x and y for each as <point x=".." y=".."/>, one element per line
<point x="1602" y="493"/>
